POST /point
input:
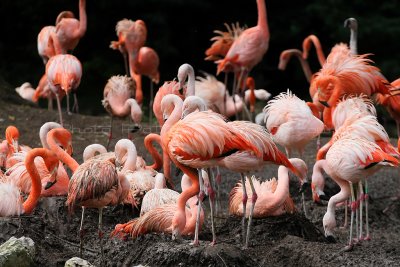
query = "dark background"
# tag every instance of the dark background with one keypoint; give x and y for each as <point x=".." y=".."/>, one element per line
<point x="179" y="30"/>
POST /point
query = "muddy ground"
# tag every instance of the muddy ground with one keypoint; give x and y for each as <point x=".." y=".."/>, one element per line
<point x="290" y="240"/>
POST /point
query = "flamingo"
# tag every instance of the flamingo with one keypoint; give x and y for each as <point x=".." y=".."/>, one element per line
<point x="159" y="218"/>
<point x="121" y="29"/>
<point x="273" y="198"/>
<point x="148" y="143"/>
<point x="69" y="30"/>
<point x="94" y="184"/>
<point x="348" y="161"/>
<point x="391" y="103"/>
<point x="249" y="48"/>
<point x="312" y="39"/>
<point x="169" y="87"/>
<point x="26" y="91"/>
<point x="119" y="102"/>
<point x="12" y="137"/>
<point x="346" y="74"/>
<point x="64" y="74"/>
<point x="239" y="146"/>
<point x="291" y="122"/>
<point x="12" y="203"/>
<point x="285" y="57"/>
<point x="45" y="47"/>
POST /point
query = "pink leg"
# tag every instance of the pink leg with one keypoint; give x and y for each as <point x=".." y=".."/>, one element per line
<point x="253" y="203"/>
<point x="59" y="109"/>
<point x="81" y="233"/>
<point x="244" y="200"/>
<point x="211" y="194"/>
<point x="201" y="198"/>
<point x="353" y="209"/>
<point x="110" y="133"/>
<point x="76" y="106"/>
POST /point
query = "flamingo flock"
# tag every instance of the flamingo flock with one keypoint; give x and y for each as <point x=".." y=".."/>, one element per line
<point x="198" y="138"/>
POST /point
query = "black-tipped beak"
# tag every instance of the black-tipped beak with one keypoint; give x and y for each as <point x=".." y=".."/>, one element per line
<point x="181" y="90"/>
<point x="135" y="128"/>
<point x="330" y="239"/>
<point x="304" y="186"/>
<point x="324" y="103"/>
<point x="49" y="184"/>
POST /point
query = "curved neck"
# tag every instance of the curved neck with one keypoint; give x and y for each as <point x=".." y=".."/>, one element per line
<point x="282" y="190"/>
<point x="174" y="117"/>
<point x="189" y="74"/>
<point x="139" y="91"/>
<point x="44" y="130"/>
<point x="34" y="195"/>
<point x="130" y="148"/>
<point x="339" y="197"/>
<point x="262" y="16"/>
<point x="160" y="181"/>
<point x="91" y="150"/>
<point x="317" y="177"/>
<point x="353" y="41"/>
<point x="61" y="154"/>
<point x="337" y="92"/>
<point x="148" y="143"/>
<point x="82" y="18"/>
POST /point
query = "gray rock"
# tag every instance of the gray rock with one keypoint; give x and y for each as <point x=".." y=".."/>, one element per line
<point x="77" y="262"/>
<point x="17" y="252"/>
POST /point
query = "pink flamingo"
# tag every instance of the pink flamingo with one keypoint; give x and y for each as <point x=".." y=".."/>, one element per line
<point x="148" y="143"/>
<point x="119" y="102"/>
<point x="45" y="48"/>
<point x="121" y="29"/>
<point x="249" y="48"/>
<point x="159" y="218"/>
<point x="273" y="198"/>
<point x="69" y="30"/>
<point x="12" y="203"/>
<point x="64" y="74"/>
<point x="94" y="184"/>
<point x="228" y="145"/>
<point x="26" y="91"/>
<point x="312" y="39"/>
<point x="348" y="161"/>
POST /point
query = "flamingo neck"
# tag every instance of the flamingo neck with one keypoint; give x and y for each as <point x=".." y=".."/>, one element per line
<point x="353" y="41"/>
<point x="184" y="196"/>
<point x="282" y="190"/>
<point x="148" y="143"/>
<point x="262" y="16"/>
<point x="36" y="187"/>
<point x="337" y="92"/>
<point x="91" y="150"/>
<point x="317" y="175"/>
<point x="318" y="48"/>
<point x="139" y="91"/>
<point x="61" y="154"/>
<point x="130" y="148"/>
<point x="191" y="82"/>
<point x="44" y="130"/>
<point x="160" y="181"/>
<point x="82" y="18"/>
<point x="174" y="117"/>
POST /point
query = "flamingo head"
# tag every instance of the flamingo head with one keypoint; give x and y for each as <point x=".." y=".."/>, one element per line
<point x="12" y="135"/>
<point x="191" y="104"/>
<point x="69" y="81"/>
<point x="63" y="138"/>
<point x="329" y="223"/>
<point x="51" y="163"/>
<point x="325" y="88"/>
<point x="351" y="23"/>
<point x="178" y="224"/>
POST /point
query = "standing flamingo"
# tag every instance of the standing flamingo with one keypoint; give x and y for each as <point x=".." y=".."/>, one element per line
<point x="204" y="139"/>
<point x="69" y="30"/>
<point x="273" y="198"/>
<point x="121" y="29"/>
<point x="249" y="48"/>
<point x="348" y="161"/>
<point x="64" y="74"/>
<point x="118" y="101"/>
<point x="11" y="203"/>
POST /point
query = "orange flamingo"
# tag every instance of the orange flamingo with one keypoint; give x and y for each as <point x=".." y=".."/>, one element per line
<point x="64" y="74"/>
<point x="159" y="218"/>
<point x="148" y="143"/>
<point x="345" y="74"/>
<point x="312" y="39"/>
<point x="228" y="145"/>
<point x="273" y="198"/>
<point x="118" y="101"/>
<point x="12" y="137"/>
<point x="391" y="103"/>
<point x="348" y="161"/>
<point x="12" y="203"/>
<point x="249" y="48"/>
<point x="69" y="30"/>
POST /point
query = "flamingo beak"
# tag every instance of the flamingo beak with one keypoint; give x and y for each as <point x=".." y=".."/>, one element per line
<point x="136" y="127"/>
<point x="324" y="103"/>
<point x="53" y="175"/>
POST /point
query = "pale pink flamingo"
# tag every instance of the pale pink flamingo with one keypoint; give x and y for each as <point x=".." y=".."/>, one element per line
<point x="64" y="74"/>
<point x="249" y="48"/>
<point x="348" y="161"/>
<point x="291" y="122"/>
<point x="312" y="39"/>
<point x="119" y="102"/>
<point x="159" y="218"/>
<point x="69" y="30"/>
<point x="45" y="47"/>
<point x="12" y="203"/>
<point x="121" y="29"/>
<point x="3" y="154"/>
<point x="239" y="146"/>
<point x="94" y="184"/>
<point x="273" y="198"/>
<point x="26" y="91"/>
<point x="352" y="24"/>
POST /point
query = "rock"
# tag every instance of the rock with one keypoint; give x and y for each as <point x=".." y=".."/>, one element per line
<point x="17" y="252"/>
<point x="76" y="262"/>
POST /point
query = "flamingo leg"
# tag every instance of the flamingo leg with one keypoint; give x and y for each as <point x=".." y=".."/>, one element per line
<point x="101" y="233"/>
<point x="49" y="103"/>
<point x="253" y="203"/>
<point x="75" y="107"/>
<point x="126" y="64"/>
<point x="68" y="110"/>
<point x="81" y="233"/>
<point x="318" y="142"/>
<point x="244" y="201"/>
<point x="360" y="188"/>
<point x="110" y="132"/>
<point x="151" y="102"/>
<point x="357" y="213"/>
<point x="200" y="197"/>
<point x="226" y="88"/>
<point x="217" y="186"/>
<point x="345" y="214"/>
<point x="366" y="197"/>
<point x="59" y="109"/>
<point x="353" y="209"/>
<point x="235" y="81"/>
<point x="211" y="194"/>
